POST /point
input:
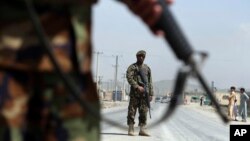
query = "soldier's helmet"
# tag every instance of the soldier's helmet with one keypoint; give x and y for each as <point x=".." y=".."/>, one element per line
<point x="141" y="52"/>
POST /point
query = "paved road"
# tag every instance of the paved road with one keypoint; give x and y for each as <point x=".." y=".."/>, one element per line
<point x="188" y="123"/>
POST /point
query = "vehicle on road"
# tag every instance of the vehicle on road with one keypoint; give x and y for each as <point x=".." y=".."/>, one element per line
<point x="194" y="99"/>
<point x="158" y="99"/>
<point x="165" y="99"/>
<point x="207" y="101"/>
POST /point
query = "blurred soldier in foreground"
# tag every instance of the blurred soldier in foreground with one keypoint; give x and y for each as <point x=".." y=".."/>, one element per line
<point x="137" y="97"/>
<point x="34" y="103"/>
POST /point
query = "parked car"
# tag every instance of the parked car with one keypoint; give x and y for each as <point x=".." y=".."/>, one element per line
<point x="194" y="99"/>
<point x="158" y="99"/>
<point x="165" y="99"/>
<point x="207" y="101"/>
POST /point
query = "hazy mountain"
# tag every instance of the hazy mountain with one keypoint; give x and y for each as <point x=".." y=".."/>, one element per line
<point x="165" y="86"/>
<point x="160" y="87"/>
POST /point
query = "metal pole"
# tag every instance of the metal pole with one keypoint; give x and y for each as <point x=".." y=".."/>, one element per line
<point x="123" y="87"/>
<point x="97" y="70"/>
<point x="116" y="71"/>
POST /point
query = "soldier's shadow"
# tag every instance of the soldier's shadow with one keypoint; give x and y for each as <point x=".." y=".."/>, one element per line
<point x="114" y="134"/>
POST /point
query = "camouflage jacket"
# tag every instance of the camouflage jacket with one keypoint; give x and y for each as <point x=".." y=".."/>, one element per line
<point x="60" y="19"/>
<point x="135" y="80"/>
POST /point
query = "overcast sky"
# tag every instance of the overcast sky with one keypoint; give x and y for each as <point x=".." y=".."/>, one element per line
<point x="219" y="27"/>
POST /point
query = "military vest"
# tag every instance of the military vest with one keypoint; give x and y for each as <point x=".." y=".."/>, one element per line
<point x="145" y="70"/>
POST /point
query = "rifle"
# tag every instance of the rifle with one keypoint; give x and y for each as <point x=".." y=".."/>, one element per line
<point x="184" y="52"/>
<point x="145" y="85"/>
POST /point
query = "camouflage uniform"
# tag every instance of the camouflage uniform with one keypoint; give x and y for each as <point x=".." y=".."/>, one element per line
<point x="34" y="104"/>
<point x="138" y="100"/>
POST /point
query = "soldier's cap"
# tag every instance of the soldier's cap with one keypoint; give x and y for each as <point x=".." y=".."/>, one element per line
<point x="141" y="52"/>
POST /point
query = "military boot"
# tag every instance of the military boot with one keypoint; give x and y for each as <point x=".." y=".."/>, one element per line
<point x="143" y="131"/>
<point x="131" y="130"/>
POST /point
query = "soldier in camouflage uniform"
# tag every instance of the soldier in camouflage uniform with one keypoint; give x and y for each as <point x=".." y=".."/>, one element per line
<point x="34" y="103"/>
<point x="137" y="97"/>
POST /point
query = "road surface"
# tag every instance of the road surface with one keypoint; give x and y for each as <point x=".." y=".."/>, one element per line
<point x="189" y="123"/>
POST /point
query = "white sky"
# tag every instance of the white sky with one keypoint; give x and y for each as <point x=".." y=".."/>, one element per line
<point x="219" y="27"/>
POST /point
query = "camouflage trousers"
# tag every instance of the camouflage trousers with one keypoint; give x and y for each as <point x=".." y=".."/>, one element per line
<point x="140" y="103"/>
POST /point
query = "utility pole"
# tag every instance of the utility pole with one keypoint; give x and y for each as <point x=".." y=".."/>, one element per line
<point x="110" y="86"/>
<point x="123" y="88"/>
<point x="213" y="92"/>
<point x="100" y="87"/>
<point x="213" y="88"/>
<point x="97" y="70"/>
<point x="116" y="71"/>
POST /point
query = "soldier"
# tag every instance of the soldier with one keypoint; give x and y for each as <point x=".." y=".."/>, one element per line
<point x="137" y="97"/>
<point x="34" y="102"/>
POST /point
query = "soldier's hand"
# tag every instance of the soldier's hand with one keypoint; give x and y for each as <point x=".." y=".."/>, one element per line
<point x="140" y="89"/>
<point x="148" y="10"/>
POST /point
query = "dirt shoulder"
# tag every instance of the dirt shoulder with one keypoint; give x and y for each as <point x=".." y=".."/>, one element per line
<point x="211" y="112"/>
<point x="112" y="104"/>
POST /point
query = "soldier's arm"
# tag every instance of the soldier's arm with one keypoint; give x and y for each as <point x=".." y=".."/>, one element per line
<point x="130" y="76"/>
<point x="246" y="96"/>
